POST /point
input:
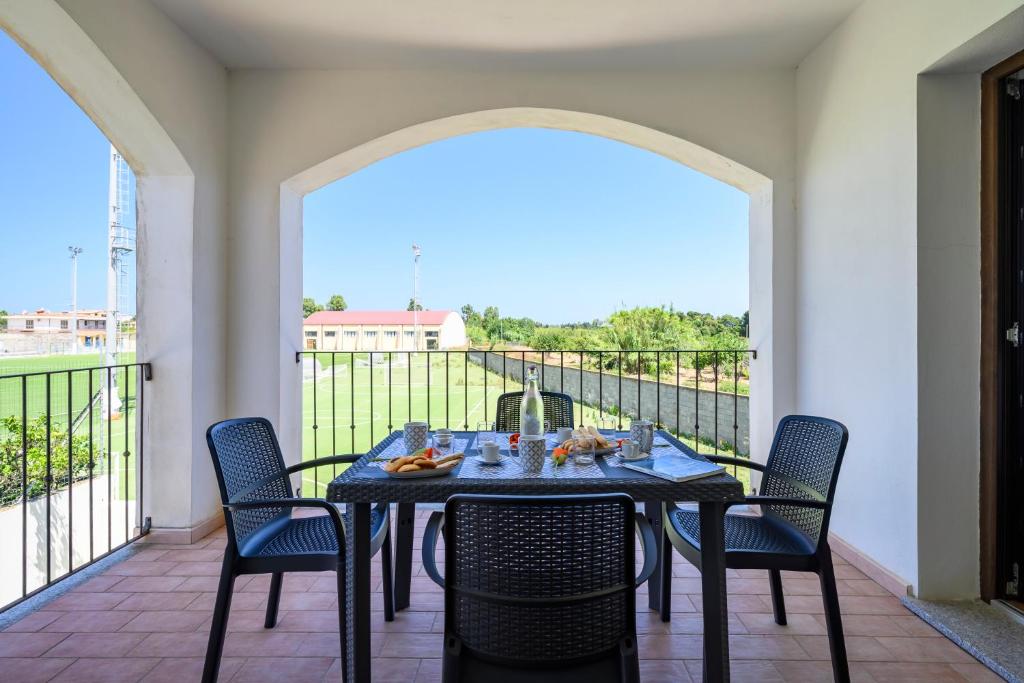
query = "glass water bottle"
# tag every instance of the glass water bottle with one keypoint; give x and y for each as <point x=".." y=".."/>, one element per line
<point x="531" y="410"/>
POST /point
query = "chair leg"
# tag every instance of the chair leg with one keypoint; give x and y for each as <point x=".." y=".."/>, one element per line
<point x="837" y="645"/>
<point x="215" y="646"/>
<point x="388" y="577"/>
<point x="342" y="622"/>
<point x="273" y="600"/>
<point x="778" y="601"/>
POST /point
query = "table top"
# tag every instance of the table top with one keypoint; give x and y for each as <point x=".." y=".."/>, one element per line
<point x="366" y="482"/>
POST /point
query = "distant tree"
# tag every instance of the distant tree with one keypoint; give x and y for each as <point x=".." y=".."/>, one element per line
<point x="3" y="319"/>
<point x="310" y="306"/>
<point x="467" y="313"/>
<point x="414" y="305"/>
<point x="336" y="303"/>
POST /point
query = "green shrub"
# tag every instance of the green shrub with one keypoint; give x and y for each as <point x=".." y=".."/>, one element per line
<point x="11" y="458"/>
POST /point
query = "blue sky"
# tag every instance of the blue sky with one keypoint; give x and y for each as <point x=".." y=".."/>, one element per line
<point x="554" y="225"/>
<point x="53" y="189"/>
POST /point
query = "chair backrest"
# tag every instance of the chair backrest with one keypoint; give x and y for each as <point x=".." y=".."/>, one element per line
<point x="540" y="581"/>
<point x="245" y="451"/>
<point x="804" y="463"/>
<point x="557" y="410"/>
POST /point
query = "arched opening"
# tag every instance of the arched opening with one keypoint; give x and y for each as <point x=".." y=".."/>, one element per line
<point x="755" y="185"/>
<point x="165" y="189"/>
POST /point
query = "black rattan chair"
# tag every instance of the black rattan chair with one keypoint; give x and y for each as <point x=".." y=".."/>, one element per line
<point x="557" y="410"/>
<point x="798" y="486"/>
<point x="263" y="535"/>
<point x="540" y="588"/>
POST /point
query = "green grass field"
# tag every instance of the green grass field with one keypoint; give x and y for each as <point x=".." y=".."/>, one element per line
<point x="349" y="408"/>
<point x="79" y="406"/>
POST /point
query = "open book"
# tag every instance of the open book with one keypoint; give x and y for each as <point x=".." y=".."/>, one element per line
<point x="675" y="467"/>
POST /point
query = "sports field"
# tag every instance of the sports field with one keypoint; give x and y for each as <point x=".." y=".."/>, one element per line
<point x="351" y="405"/>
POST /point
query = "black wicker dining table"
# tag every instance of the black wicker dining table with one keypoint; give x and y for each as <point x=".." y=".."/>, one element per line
<point x="365" y="483"/>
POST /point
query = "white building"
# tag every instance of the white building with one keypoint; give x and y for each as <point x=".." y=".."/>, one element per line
<point x="91" y="327"/>
<point x="383" y="331"/>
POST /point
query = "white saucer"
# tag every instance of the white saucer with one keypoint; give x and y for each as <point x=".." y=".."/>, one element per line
<point x="486" y="463"/>
<point x="642" y="456"/>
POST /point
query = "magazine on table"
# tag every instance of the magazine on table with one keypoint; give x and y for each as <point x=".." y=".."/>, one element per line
<point x="675" y="467"/>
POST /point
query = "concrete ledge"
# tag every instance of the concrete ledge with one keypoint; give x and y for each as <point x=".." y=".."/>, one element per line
<point x="879" y="574"/>
<point x="184" y="536"/>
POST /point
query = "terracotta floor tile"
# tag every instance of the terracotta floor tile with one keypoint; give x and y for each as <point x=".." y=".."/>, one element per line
<point x="750" y="671"/>
<point x="664" y="671"/>
<point x="150" y="620"/>
<point x="406" y="645"/>
<point x="148" y="584"/>
<point x="858" y="648"/>
<point x="154" y="568"/>
<point x="85" y="601"/>
<point x="165" y="621"/>
<point x="818" y="672"/>
<point x="32" y="669"/>
<point x="908" y="649"/>
<point x="919" y="672"/>
<point x="95" y="644"/>
<point x="172" y="645"/>
<point x="91" y="621"/>
<point x="796" y="624"/>
<point x="146" y="602"/>
<point x="188" y="669"/>
<point x="976" y="673"/>
<point x="33" y="621"/>
<point x="264" y="644"/>
<point x="275" y="670"/>
<point x="106" y="670"/>
<point x="28" y="644"/>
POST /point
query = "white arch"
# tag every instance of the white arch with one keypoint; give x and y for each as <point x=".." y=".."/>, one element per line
<point x="165" y="217"/>
<point x="756" y="185"/>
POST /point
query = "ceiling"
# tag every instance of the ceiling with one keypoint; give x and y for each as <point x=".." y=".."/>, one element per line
<point x="548" y="34"/>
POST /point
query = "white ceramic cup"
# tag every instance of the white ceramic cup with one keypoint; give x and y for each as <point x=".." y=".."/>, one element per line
<point x="415" y="435"/>
<point x="532" y="450"/>
<point x="564" y="434"/>
<point x="629" y="450"/>
<point x="490" y="451"/>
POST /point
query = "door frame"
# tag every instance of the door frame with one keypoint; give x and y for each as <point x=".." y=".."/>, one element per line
<point x="991" y="337"/>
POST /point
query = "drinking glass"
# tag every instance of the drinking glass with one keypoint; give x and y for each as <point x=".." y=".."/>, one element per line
<point x="583" y="450"/>
<point x="442" y="444"/>
<point x="608" y="429"/>
<point x="485" y="432"/>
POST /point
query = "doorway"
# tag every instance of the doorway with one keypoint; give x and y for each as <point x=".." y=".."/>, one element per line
<point x="1002" y="559"/>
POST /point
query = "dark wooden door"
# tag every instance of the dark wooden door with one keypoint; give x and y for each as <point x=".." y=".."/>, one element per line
<point x="1010" y="550"/>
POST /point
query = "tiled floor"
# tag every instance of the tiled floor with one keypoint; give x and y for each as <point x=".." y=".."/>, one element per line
<point x="147" y="619"/>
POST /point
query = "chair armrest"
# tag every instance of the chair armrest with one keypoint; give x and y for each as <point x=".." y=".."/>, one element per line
<point x="326" y="460"/>
<point x="778" y="500"/>
<point x="650" y="547"/>
<point x="332" y="510"/>
<point x="738" y="462"/>
<point x="430" y="535"/>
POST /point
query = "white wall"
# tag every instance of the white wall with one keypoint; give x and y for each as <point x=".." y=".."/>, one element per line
<point x="181" y="213"/>
<point x="282" y="123"/>
<point x="887" y="296"/>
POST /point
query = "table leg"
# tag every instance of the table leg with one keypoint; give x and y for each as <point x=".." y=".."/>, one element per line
<point x="652" y="510"/>
<point x="406" y="526"/>
<point x="665" y="550"/>
<point x="713" y="588"/>
<point x="359" y="635"/>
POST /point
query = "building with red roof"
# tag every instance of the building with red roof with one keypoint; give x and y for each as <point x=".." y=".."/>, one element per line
<point x="383" y="331"/>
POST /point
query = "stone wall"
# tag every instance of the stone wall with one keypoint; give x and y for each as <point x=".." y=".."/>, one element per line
<point x="651" y="400"/>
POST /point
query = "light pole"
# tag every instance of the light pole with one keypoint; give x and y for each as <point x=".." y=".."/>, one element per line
<point x="75" y="251"/>
<point x="415" y="297"/>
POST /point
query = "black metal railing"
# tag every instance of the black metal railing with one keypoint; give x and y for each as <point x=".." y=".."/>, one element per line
<point x="71" y="464"/>
<point x="352" y="399"/>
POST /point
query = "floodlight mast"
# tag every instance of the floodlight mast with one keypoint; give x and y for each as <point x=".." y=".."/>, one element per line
<point x="75" y="251"/>
<point x="416" y="297"/>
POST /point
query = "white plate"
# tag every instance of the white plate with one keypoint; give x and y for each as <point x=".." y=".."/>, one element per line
<point x="419" y="474"/>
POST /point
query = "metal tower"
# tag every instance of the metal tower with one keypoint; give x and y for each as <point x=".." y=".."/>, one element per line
<point x="121" y="245"/>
